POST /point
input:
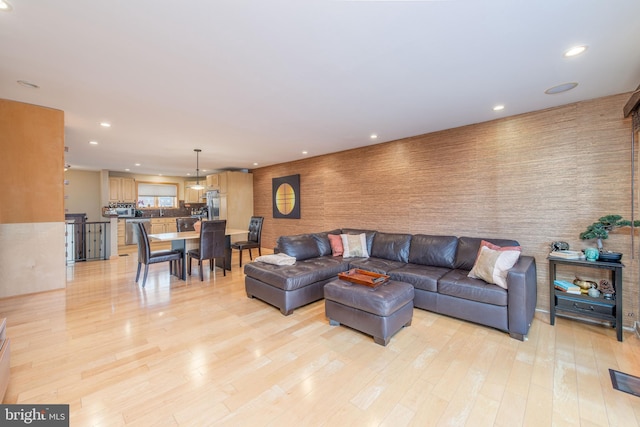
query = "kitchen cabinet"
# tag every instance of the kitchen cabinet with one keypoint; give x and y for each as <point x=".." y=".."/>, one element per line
<point x="121" y="232"/>
<point x="236" y="199"/>
<point x="122" y="190"/>
<point x="163" y="225"/>
<point x="223" y="181"/>
<point x="191" y="195"/>
<point x="213" y="182"/>
<point x="219" y="181"/>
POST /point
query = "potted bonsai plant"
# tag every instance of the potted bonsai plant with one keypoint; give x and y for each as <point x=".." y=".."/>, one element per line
<point x="600" y="230"/>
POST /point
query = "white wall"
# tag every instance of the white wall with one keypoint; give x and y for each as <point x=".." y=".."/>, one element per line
<point x="82" y="194"/>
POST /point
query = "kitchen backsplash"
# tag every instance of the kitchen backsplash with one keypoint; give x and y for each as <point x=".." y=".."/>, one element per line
<point x="182" y="211"/>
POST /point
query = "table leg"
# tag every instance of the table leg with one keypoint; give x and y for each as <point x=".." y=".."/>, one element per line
<point x="181" y="246"/>
<point x="616" y="276"/>
<point x="552" y="293"/>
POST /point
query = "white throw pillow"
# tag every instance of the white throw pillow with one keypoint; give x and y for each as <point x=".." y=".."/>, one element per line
<point x="355" y="245"/>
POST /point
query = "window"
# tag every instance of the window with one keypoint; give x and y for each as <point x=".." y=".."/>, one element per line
<point x="157" y="195"/>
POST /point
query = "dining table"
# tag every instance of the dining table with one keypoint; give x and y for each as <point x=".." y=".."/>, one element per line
<point x="185" y="240"/>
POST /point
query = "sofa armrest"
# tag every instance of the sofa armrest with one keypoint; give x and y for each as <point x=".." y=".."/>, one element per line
<point x="522" y="288"/>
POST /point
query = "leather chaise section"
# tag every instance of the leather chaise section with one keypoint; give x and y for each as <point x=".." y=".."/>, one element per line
<point x="298" y="275"/>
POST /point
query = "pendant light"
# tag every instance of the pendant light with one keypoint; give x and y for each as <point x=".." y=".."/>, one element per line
<point x="197" y="186"/>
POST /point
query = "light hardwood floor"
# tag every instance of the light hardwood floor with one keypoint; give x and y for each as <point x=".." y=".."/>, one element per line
<point x="201" y="353"/>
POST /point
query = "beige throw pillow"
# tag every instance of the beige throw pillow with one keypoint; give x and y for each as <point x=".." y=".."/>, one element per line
<point x="493" y="266"/>
<point x="354" y="245"/>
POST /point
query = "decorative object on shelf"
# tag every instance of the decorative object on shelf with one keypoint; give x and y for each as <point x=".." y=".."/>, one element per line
<point x="606" y="288"/>
<point x="197" y="186"/>
<point x="567" y="254"/>
<point x="591" y="254"/>
<point x="559" y="246"/>
<point x="594" y="293"/>
<point x="600" y="229"/>
<point x="584" y="284"/>
<point x="607" y="256"/>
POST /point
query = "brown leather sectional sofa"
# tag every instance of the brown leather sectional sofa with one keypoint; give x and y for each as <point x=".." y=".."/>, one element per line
<point x="436" y="266"/>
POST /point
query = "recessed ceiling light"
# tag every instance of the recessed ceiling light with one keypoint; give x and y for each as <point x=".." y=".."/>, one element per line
<point x="305" y="152"/>
<point x="373" y="136"/>
<point x="105" y="124"/>
<point x="5" y="6"/>
<point x="93" y="142"/>
<point x="560" y="88"/>
<point x="188" y="174"/>
<point x="574" y="51"/>
<point x="255" y="163"/>
<point x="137" y="164"/>
<point x="498" y="108"/>
<point x="27" y="84"/>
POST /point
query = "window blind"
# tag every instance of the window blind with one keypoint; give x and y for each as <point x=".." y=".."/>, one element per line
<point x="159" y="190"/>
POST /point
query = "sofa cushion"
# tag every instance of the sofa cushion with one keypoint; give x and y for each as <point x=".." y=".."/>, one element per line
<point x="322" y="240"/>
<point x="437" y="251"/>
<point x="423" y="277"/>
<point x="368" y="233"/>
<point x="377" y="265"/>
<point x="354" y="245"/>
<point x="299" y="275"/>
<point x="468" y="248"/>
<point x="394" y="247"/>
<point x="301" y="246"/>
<point x="457" y="284"/>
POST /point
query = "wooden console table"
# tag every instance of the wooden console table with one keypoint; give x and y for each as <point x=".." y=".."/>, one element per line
<point x="596" y="308"/>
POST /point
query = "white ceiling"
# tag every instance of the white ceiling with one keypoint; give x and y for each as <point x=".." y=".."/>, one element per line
<point x="261" y="81"/>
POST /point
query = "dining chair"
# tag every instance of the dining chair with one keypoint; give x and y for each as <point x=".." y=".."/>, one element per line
<point x="254" y="238"/>
<point x="185" y="224"/>
<point x="212" y="240"/>
<point x="146" y="256"/>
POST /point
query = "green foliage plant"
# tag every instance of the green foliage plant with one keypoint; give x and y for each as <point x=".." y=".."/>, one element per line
<point x="600" y="229"/>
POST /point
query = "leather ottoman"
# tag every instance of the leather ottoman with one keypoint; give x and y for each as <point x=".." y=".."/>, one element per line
<point x="380" y="312"/>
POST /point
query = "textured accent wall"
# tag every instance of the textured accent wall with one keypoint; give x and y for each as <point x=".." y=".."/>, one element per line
<point x="535" y="178"/>
<point x="32" y="252"/>
<point x="32" y="163"/>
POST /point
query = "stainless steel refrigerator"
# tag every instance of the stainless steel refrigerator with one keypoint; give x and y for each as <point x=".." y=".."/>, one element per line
<point x="216" y="205"/>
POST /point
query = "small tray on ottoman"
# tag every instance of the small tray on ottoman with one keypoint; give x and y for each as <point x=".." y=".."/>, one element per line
<point x="363" y="277"/>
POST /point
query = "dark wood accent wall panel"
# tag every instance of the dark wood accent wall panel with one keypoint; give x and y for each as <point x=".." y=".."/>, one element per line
<point x="32" y="163"/>
<point x="535" y="178"/>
